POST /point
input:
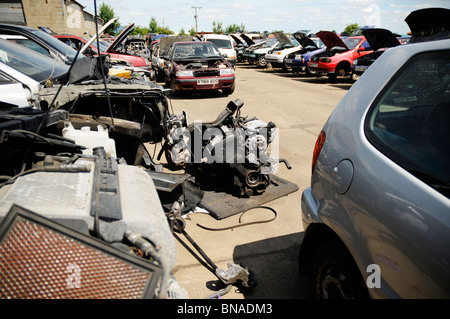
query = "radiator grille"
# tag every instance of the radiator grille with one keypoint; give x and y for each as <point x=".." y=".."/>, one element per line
<point x="41" y="262"/>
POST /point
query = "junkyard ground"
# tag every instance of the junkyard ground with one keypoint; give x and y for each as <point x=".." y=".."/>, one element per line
<point x="299" y="106"/>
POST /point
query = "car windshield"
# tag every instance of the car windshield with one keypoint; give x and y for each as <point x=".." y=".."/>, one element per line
<point x="195" y="50"/>
<point x="409" y="121"/>
<point x="351" y="43"/>
<point x="221" y="43"/>
<point x="37" y="66"/>
<point x="65" y="50"/>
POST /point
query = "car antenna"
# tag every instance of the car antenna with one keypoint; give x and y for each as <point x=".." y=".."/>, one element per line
<point x="101" y="67"/>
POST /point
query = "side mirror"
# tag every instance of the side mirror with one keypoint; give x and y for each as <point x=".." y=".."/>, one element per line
<point x="361" y="49"/>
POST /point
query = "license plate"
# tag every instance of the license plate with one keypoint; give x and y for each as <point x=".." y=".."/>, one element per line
<point x="288" y="60"/>
<point x="207" y="81"/>
<point x="313" y="65"/>
<point x="360" y="68"/>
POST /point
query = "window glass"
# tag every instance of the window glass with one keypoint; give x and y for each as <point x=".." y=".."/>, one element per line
<point x="32" y="45"/>
<point x="410" y="120"/>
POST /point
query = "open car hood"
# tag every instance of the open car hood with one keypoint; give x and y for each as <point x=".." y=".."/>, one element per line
<point x="166" y="42"/>
<point x="380" y="38"/>
<point x="304" y="40"/>
<point x="331" y="39"/>
<point x="236" y="39"/>
<point x="247" y="39"/>
<point x="100" y="32"/>
<point x="282" y="38"/>
<point x="120" y="38"/>
<point x="428" y="22"/>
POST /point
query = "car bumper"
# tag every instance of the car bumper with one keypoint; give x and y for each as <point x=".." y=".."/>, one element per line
<point x="310" y="208"/>
<point x="195" y="84"/>
<point x="273" y="59"/>
<point x="321" y="67"/>
<point x="295" y="63"/>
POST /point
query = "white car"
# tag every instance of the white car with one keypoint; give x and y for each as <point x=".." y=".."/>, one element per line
<point x="285" y="46"/>
<point x="225" y="45"/>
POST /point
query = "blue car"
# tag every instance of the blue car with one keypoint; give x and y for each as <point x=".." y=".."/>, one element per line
<point x="298" y="60"/>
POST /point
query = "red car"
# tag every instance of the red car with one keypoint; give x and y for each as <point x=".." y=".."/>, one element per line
<point x="197" y="66"/>
<point x="78" y="42"/>
<point x="338" y="58"/>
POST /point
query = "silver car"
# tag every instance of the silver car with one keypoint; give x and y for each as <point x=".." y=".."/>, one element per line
<point x="377" y="213"/>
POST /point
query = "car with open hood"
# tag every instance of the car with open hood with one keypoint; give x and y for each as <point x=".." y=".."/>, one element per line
<point x="195" y="66"/>
<point x="39" y="41"/>
<point x="379" y="40"/>
<point x="286" y="45"/>
<point x="256" y="53"/>
<point x="376" y="215"/>
<point x="118" y="50"/>
<point x="298" y="60"/>
<point x="241" y="42"/>
<point x="338" y="58"/>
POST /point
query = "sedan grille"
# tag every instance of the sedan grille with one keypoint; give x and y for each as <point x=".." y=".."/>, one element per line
<point x="206" y="73"/>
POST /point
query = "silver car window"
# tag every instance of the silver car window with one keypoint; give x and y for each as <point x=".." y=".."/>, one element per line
<point x="410" y="120"/>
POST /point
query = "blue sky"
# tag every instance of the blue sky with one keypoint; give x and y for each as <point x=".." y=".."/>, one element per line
<point x="269" y="15"/>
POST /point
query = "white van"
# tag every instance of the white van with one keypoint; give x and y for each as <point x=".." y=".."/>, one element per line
<point x="225" y="45"/>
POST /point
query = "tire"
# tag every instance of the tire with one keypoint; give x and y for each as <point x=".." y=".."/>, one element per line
<point x="228" y="91"/>
<point x="261" y="62"/>
<point x="172" y="88"/>
<point x="309" y="72"/>
<point x="334" y="275"/>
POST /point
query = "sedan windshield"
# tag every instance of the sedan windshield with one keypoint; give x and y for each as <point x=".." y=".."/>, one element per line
<point x="35" y="65"/>
<point x="195" y="50"/>
<point x="351" y="43"/>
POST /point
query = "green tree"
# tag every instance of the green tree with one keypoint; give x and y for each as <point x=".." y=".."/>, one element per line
<point x="350" y="28"/>
<point x="217" y="27"/>
<point x="232" y="28"/>
<point x="154" y="27"/>
<point x="138" y="30"/>
<point x="192" y="31"/>
<point x="106" y="13"/>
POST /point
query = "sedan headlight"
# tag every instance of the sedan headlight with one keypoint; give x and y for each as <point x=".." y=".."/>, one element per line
<point x="226" y="71"/>
<point x="184" y="73"/>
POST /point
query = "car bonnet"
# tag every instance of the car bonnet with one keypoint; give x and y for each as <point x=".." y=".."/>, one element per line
<point x="247" y="39"/>
<point x="100" y="32"/>
<point x="121" y="37"/>
<point x="166" y="42"/>
<point x="331" y="39"/>
<point x="304" y="40"/>
<point x="282" y="38"/>
<point x="380" y="38"/>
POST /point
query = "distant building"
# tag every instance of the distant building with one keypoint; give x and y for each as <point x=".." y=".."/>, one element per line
<point x="60" y="16"/>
